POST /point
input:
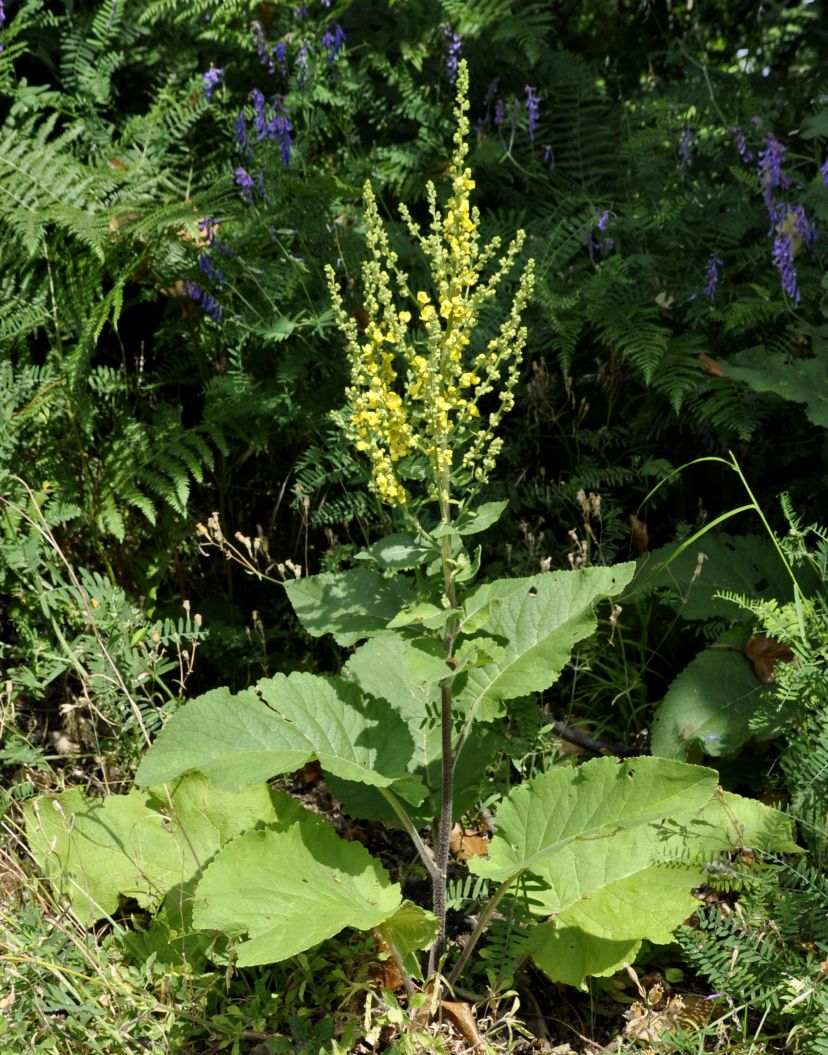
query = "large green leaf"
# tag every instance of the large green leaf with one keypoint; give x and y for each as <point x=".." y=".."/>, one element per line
<point x="612" y="851"/>
<point x="570" y="955"/>
<point x="589" y="802"/>
<point x="290" y="889"/>
<point x="394" y="670"/>
<point x="139" y="845"/>
<point x="351" y="605"/>
<point x="708" y="706"/>
<point x="538" y="620"/>
<point x="797" y="380"/>
<point x="747" y="564"/>
<point x="236" y="740"/>
<point x="637" y="884"/>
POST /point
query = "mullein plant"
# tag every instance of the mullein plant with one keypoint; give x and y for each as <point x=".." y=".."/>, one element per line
<point x="426" y="398"/>
<point x="605" y="855"/>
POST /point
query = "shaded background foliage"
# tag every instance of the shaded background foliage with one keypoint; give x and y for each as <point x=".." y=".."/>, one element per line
<point x="158" y="367"/>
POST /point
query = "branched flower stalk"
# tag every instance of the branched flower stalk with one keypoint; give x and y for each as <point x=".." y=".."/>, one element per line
<point x="426" y="391"/>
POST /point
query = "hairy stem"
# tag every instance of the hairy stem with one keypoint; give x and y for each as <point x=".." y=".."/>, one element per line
<point x="446" y="730"/>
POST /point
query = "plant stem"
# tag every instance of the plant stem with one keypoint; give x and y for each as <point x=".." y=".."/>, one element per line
<point x="446" y="730"/>
<point x="426" y="856"/>
<point x="482" y="923"/>
<point x="444" y="833"/>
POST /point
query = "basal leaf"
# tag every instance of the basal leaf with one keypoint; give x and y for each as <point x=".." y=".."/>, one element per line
<point x="538" y="623"/>
<point x="747" y="564"/>
<point x="288" y="890"/>
<point x="142" y="844"/>
<point x="613" y="850"/>
<point x="351" y="605"/>
<point x="236" y="740"/>
<point x="592" y="801"/>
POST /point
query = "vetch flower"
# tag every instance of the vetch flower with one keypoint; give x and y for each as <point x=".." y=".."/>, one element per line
<point x="302" y="62"/>
<point x="245" y="181"/>
<point x="602" y="222"/>
<point x="212" y="78"/>
<point x="804" y="228"/>
<point x="824" y="173"/>
<point x="499" y="113"/>
<point x="771" y="175"/>
<point x="549" y="157"/>
<point x="272" y="123"/>
<point x="333" y="40"/>
<point x="741" y="144"/>
<point x="206" y="267"/>
<point x="533" y="110"/>
<point x="207" y="303"/>
<point x="783" y="260"/>
<point x="453" y="45"/>
<point x="207" y="229"/>
<point x="2" y="22"/>
<point x="242" y="139"/>
<point x="265" y="56"/>
<point x="711" y="275"/>
<point x="280" y="55"/>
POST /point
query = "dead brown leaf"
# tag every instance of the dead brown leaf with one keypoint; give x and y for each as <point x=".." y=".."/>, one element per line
<point x="468" y="842"/>
<point x="640" y="535"/>
<point x="462" y="1018"/>
<point x="764" y="653"/>
<point x="712" y="366"/>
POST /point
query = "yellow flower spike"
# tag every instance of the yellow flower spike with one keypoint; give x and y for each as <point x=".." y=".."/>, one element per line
<point x="414" y="390"/>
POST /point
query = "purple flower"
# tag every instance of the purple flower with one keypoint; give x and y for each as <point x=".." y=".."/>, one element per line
<point x="824" y="173"/>
<point x="265" y="57"/>
<point x="300" y="13"/>
<point x="212" y="78"/>
<point x="453" y="45"/>
<point x="207" y="230"/>
<point x="771" y="175"/>
<point x="240" y="130"/>
<point x="245" y="181"/>
<point x="2" y="22"/>
<point x="741" y="144"/>
<point x="499" y="113"/>
<point x="603" y="247"/>
<point x="280" y="55"/>
<point x="333" y="41"/>
<point x="783" y="259"/>
<point x="272" y="123"/>
<point x="803" y="226"/>
<point x="206" y="267"/>
<point x="207" y="303"/>
<point x="549" y="157"/>
<point x="711" y="275"/>
<point x="533" y="109"/>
